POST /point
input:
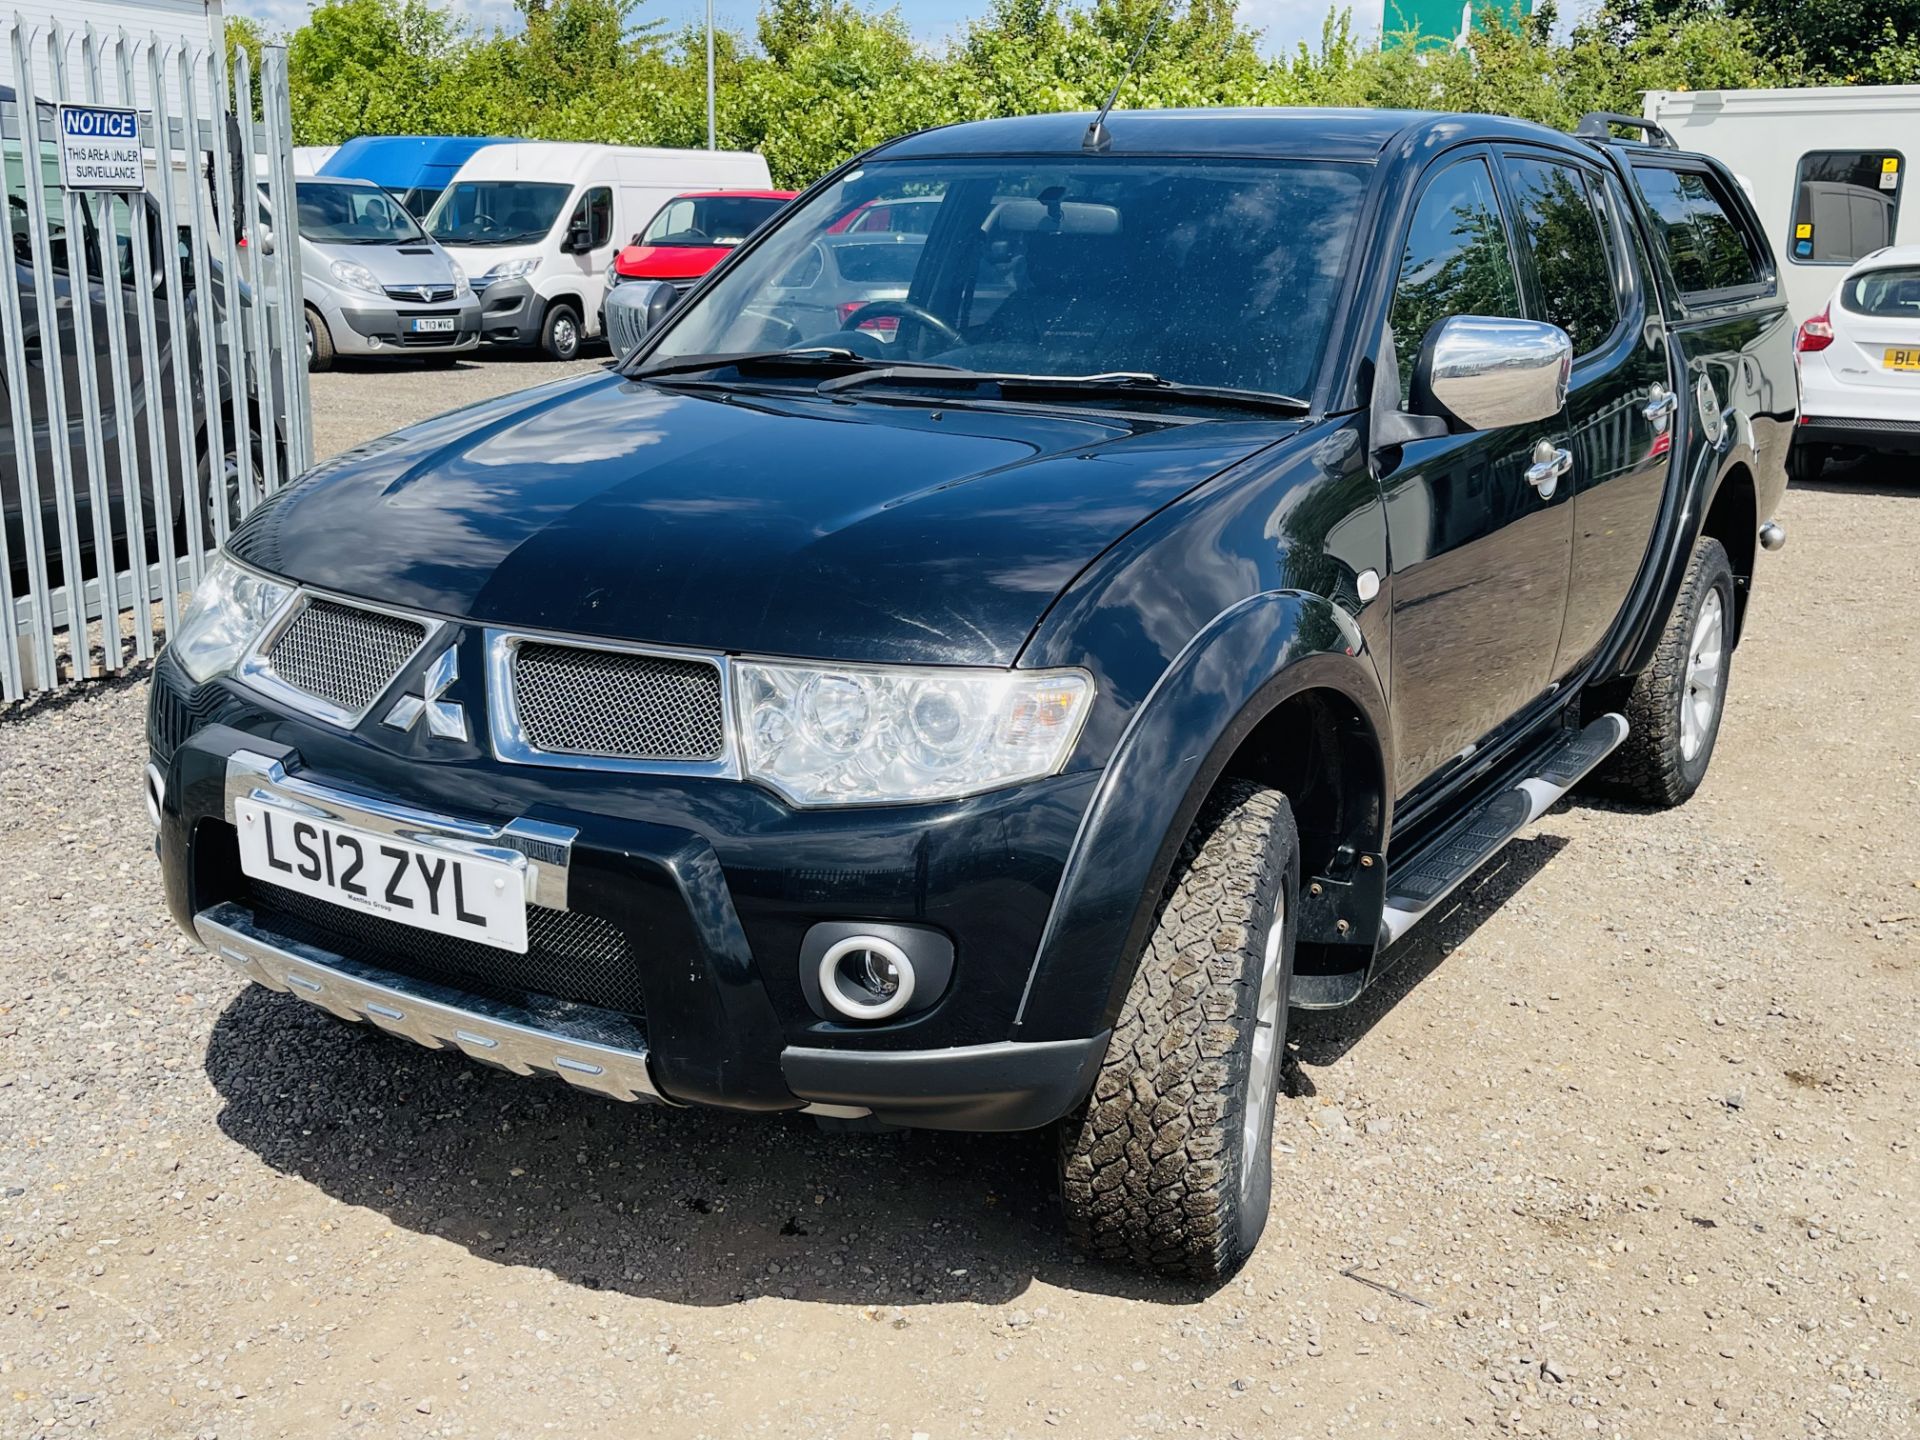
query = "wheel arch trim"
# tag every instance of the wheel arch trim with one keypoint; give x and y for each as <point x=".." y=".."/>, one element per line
<point x="1235" y="672"/>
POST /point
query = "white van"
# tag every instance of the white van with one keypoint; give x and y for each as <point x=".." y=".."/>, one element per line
<point x="536" y="224"/>
<point x="1826" y="167"/>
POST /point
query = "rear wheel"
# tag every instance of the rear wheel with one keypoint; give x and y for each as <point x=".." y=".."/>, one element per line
<point x="1674" y="706"/>
<point x="560" y="333"/>
<point x="1806" y="462"/>
<point x="1169" y="1166"/>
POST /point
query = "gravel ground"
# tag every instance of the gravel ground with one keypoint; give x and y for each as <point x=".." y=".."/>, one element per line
<point x="1625" y="1147"/>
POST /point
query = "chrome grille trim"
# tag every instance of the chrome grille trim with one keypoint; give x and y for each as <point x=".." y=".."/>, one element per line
<point x="513" y="744"/>
<point x="345" y="711"/>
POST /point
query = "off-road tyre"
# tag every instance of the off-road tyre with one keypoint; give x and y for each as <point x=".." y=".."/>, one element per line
<point x="320" y="350"/>
<point x="1651" y="767"/>
<point x="1160" y="1168"/>
<point x="561" y="333"/>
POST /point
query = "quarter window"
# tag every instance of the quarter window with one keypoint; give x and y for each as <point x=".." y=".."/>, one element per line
<point x="1844" y="204"/>
<point x="1707" y="247"/>
<point x="1456" y="262"/>
<point x="1559" y="228"/>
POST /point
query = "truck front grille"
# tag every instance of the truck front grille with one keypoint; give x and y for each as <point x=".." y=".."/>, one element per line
<point x="579" y="958"/>
<point x="572" y="700"/>
<point x="343" y="655"/>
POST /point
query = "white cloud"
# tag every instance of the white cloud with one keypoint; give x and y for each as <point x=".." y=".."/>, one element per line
<point x="282" y="16"/>
<point x="1288" y="22"/>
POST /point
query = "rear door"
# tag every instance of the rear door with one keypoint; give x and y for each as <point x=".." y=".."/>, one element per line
<point x="1480" y="556"/>
<point x="1583" y="272"/>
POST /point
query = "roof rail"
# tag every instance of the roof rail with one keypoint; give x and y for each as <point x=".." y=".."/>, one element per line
<point x="1598" y="125"/>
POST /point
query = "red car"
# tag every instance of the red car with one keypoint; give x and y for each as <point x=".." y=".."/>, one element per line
<point x="693" y="232"/>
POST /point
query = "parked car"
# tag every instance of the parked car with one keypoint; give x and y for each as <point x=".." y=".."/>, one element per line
<point x="216" y="475"/>
<point x="693" y="233"/>
<point x="1859" y="365"/>
<point x="374" y="283"/>
<point x="416" y="169"/>
<point x="534" y="224"/>
<point x="1003" y="724"/>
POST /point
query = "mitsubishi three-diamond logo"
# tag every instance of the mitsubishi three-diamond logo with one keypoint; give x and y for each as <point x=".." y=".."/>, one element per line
<point x="445" y="718"/>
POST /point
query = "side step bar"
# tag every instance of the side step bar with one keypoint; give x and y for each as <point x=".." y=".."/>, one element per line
<point x="1463" y="847"/>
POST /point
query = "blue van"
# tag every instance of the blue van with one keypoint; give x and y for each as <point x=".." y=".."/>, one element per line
<point x="416" y="168"/>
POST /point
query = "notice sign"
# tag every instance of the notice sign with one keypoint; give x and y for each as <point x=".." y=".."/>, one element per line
<point x="100" y="149"/>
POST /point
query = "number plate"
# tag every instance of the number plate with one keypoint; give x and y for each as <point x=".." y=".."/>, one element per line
<point x="433" y="325"/>
<point x="1904" y="358"/>
<point x="468" y="896"/>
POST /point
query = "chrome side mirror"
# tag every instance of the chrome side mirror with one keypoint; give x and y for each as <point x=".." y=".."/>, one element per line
<point x="1483" y="372"/>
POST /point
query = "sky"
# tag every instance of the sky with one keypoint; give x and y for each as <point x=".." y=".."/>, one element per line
<point x="1285" y="22"/>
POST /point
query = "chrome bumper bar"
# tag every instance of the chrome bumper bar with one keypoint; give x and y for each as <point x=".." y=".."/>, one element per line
<point x="504" y="1036"/>
<point x="542" y="853"/>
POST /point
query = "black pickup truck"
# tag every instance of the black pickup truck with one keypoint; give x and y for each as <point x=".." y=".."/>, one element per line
<point x="997" y="707"/>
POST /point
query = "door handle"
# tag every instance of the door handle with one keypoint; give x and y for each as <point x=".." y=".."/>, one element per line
<point x="1549" y="464"/>
<point x="1660" y="407"/>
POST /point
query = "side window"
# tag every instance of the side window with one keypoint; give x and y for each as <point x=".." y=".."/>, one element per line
<point x="1558" y="227"/>
<point x="1456" y="262"/>
<point x="599" y="203"/>
<point x="1844" y="205"/>
<point x="1708" y="249"/>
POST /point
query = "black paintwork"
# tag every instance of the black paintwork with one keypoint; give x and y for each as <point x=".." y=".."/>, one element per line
<point x="1204" y="572"/>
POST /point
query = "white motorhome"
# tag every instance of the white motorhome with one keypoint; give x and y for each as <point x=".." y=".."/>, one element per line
<point x="536" y="224"/>
<point x="1826" y="167"/>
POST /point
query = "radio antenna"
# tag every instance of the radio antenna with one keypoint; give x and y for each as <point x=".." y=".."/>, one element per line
<point x="1098" y="137"/>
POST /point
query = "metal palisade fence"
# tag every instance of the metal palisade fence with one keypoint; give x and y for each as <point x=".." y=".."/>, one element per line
<point x="153" y="385"/>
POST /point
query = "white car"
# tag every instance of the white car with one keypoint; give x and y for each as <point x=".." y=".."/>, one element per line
<point x="1859" y="365"/>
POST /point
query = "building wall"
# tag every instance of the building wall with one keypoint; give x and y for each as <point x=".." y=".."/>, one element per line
<point x="195" y="23"/>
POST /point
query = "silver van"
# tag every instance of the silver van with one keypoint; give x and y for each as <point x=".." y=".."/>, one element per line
<point x="375" y="283"/>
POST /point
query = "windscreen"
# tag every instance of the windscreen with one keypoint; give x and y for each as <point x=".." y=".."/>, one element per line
<point x="694" y="220"/>
<point x="496" y="212"/>
<point x="1219" y="274"/>
<point x="352" y="215"/>
<point x="1893" y="292"/>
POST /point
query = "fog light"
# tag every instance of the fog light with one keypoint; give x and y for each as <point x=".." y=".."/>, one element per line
<point x="865" y="977"/>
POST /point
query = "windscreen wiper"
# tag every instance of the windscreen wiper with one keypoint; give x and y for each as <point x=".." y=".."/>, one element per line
<point x="1128" y="383"/>
<point x="806" y="355"/>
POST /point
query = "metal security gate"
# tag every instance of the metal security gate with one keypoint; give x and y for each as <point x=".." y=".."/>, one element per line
<point x="153" y="383"/>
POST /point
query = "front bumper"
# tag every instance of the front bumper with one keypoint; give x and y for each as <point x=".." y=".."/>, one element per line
<point x="509" y="313"/>
<point x="713" y="917"/>
<point x="387" y="330"/>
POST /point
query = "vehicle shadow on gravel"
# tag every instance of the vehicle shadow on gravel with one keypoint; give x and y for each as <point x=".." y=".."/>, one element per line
<point x="1871" y="475"/>
<point x="1321" y="1037"/>
<point x="690" y="1206"/>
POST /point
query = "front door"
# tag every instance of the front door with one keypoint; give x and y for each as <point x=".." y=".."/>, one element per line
<point x="1479" y="553"/>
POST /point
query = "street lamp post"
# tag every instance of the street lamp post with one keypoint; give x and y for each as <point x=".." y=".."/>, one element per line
<point x="712" y="140"/>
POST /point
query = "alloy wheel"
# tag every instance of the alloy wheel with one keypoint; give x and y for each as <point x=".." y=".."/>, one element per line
<point x="1706" y="676"/>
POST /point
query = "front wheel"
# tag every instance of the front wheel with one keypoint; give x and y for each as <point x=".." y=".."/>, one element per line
<point x="319" y="344"/>
<point x="1170" y="1164"/>
<point x="560" y="334"/>
<point x="1674" y="706"/>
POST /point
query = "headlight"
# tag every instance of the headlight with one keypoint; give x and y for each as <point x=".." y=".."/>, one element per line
<point x="859" y="735"/>
<point x="613" y="273"/>
<point x="228" y="611"/>
<point x="511" y="270"/>
<point x="460" y="285"/>
<point x="358" y="276"/>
